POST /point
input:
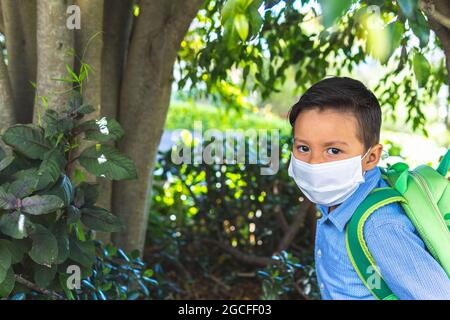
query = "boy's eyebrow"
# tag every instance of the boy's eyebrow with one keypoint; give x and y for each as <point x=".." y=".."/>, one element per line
<point x="335" y="142"/>
<point x="329" y="143"/>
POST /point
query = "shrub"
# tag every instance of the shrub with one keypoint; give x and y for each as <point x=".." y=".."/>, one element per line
<point x="208" y="215"/>
<point x="48" y="212"/>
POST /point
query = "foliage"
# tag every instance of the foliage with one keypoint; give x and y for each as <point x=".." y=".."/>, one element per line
<point x="286" y="278"/>
<point x="48" y="212"/>
<point x="197" y="206"/>
<point x="238" y="48"/>
<point x="116" y="276"/>
<point x="182" y="115"/>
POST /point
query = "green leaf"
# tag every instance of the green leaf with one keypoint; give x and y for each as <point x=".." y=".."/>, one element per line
<point x="63" y="189"/>
<point x="85" y="109"/>
<point x="102" y="130"/>
<point x="62" y="237"/>
<point x="420" y="28"/>
<point x="255" y="19"/>
<point x="421" y="68"/>
<point x="106" y="161"/>
<point x="5" y="260"/>
<point x="24" y="186"/>
<point x="7" y="200"/>
<point x="228" y="10"/>
<point x="15" y="225"/>
<point x="27" y="140"/>
<point x="43" y="275"/>
<point x="90" y="193"/>
<point x="395" y="31"/>
<point x="6" y="161"/>
<point x="332" y="10"/>
<point x="44" y="249"/>
<point x="8" y="283"/>
<point x="73" y="214"/>
<point x="17" y="249"/>
<point x="100" y="219"/>
<point x="62" y="277"/>
<point x="82" y="252"/>
<point x="408" y="7"/>
<point x="44" y="204"/>
<point x="53" y="165"/>
<point x="241" y="25"/>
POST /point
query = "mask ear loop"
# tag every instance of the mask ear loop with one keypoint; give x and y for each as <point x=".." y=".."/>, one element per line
<point x="367" y="152"/>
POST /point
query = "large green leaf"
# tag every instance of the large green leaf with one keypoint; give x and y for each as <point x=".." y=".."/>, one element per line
<point x="73" y="214"/>
<point x="5" y="260"/>
<point x="82" y="252"/>
<point x="87" y="194"/>
<point x="24" y="186"/>
<point x="63" y="189"/>
<point x="241" y="25"/>
<point x="53" y="165"/>
<point x="45" y="247"/>
<point x="62" y="237"/>
<point x="15" y="225"/>
<point x="8" y="283"/>
<point x="100" y="219"/>
<point x="6" y="161"/>
<point x="44" y="204"/>
<point x="7" y="200"/>
<point x="421" y="68"/>
<point x="408" y="7"/>
<point x="16" y="248"/>
<point x="332" y="10"/>
<point x="102" y="130"/>
<point x="106" y="161"/>
<point x="43" y="275"/>
<point x="27" y="140"/>
<point x="420" y="28"/>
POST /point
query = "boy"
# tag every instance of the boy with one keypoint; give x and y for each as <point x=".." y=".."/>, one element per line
<point x="336" y="126"/>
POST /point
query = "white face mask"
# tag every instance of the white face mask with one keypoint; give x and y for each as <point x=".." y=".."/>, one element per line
<point x="327" y="183"/>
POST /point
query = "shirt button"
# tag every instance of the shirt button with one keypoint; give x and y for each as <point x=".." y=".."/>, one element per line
<point x="319" y="253"/>
<point x="321" y="286"/>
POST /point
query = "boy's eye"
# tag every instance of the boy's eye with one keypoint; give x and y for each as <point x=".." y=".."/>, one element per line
<point x="333" y="151"/>
<point x="303" y="148"/>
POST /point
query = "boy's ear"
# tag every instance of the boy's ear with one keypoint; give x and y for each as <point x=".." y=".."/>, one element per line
<point x="373" y="157"/>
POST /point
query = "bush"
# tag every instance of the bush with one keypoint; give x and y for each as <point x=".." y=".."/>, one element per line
<point x="286" y="278"/>
<point x="48" y="212"/>
<point x="207" y="217"/>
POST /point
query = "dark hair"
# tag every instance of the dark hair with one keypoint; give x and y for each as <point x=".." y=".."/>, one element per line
<point x="346" y="95"/>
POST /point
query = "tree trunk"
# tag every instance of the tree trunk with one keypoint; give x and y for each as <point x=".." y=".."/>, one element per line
<point x="53" y="48"/>
<point x="144" y="102"/>
<point x="7" y="116"/>
<point x="89" y="47"/>
<point x="117" y="21"/>
<point x="438" y="13"/>
<point x="19" y="19"/>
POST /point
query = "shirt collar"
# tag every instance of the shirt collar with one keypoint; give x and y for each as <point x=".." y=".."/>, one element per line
<point x="342" y="214"/>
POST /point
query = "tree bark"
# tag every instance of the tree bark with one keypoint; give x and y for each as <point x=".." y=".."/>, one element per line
<point x="19" y="19"/>
<point x="7" y="116"/>
<point x="144" y="102"/>
<point x="53" y="48"/>
<point x="117" y="21"/>
<point x="438" y="14"/>
<point x="89" y="47"/>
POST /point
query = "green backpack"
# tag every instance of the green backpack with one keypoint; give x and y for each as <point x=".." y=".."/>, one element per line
<point x="424" y="194"/>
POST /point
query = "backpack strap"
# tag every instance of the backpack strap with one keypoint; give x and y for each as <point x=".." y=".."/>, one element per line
<point x="357" y="249"/>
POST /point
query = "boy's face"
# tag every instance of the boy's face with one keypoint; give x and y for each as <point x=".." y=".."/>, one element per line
<point x="329" y="135"/>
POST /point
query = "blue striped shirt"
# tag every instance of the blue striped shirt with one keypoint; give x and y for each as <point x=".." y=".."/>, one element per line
<point x="400" y="254"/>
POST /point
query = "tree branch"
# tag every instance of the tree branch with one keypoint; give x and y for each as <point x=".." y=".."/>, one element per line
<point x="35" y="287"/>
<point x="429" y="7"/>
